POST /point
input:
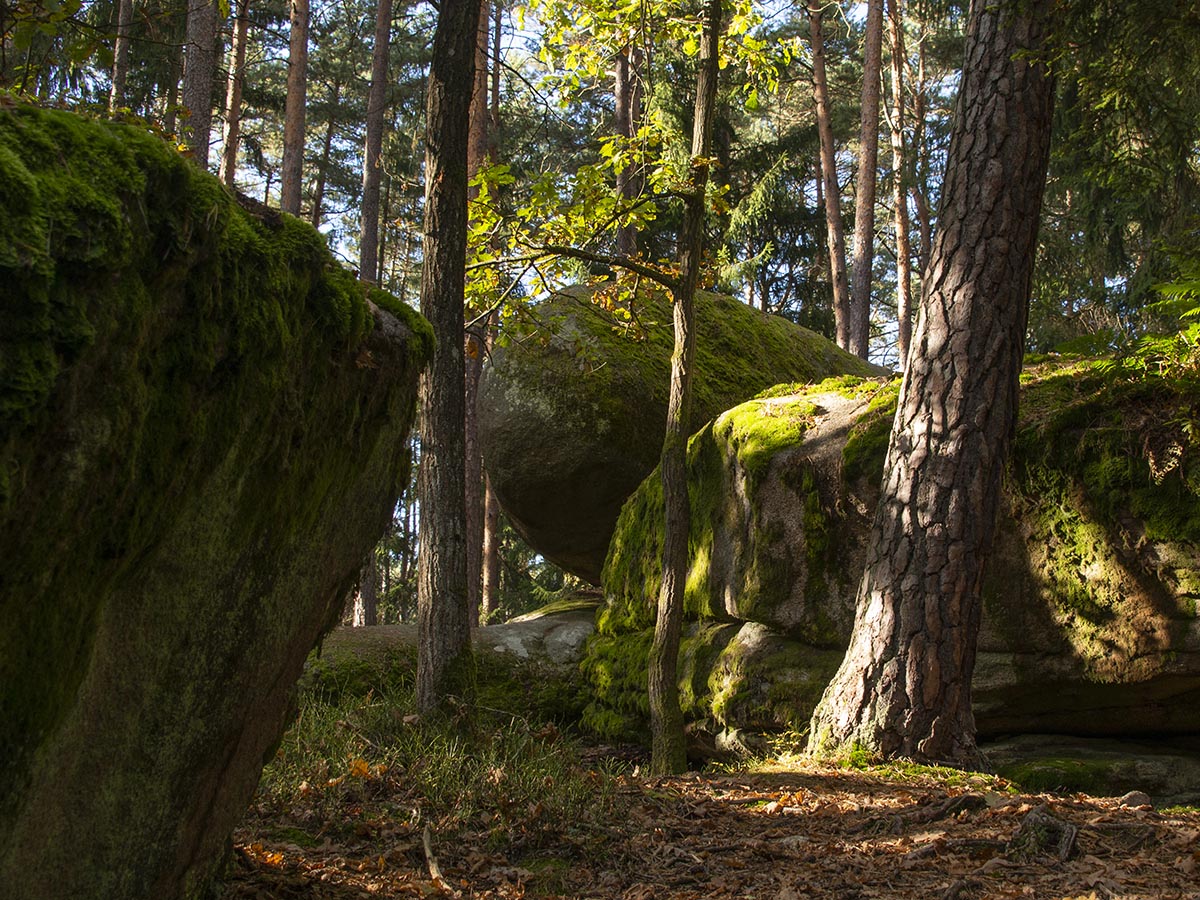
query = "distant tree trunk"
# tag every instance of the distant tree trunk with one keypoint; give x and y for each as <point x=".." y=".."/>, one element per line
<point x="477" y="159"/>
<point x="326" y="149"/>
<point x="233" y="94"/>
<point x="444" y="631"/>
<point x="627" y="93"/>
<point x="368" y="242"/>
<point x="292" y="174"/>
<point x="198" y="74"/>
<point x="120" y="70"/>
<point x="171" y="94"/>
<point x="668" y="750"/>
<point x="904" y="686"/>
<point x="864" y="209"/>
<point x="833" y="205"/>
<point x="490" y="600"/>
<point x="921" y="152"/>
<point x="366" y="604"/>
<point x="899" y="192"/>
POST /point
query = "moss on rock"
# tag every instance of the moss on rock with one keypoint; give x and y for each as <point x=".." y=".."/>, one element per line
<point x="202" y="428"/>
<point x="571" y="416"/>
<point x="1090" y="600"/>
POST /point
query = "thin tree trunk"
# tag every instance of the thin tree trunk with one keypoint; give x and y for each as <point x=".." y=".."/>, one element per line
<point x="904" y="686"/>
<point x="384" y="244"/>
<point x="198" y="74"/>
<point x="864" y="209"/>
<point x="368" y="241"/>
<point x="627" y="94"/>
<point x="444" y="631"/>
<point x="323" y="166"/>
<point x="833" y="210"/>
<point x="899" y="193"/>
<point x="292" y="174"/>
<point x="668" y="749"/>
<point x="490" y="601"/>
<point x="120" y="71"/>
<point x="171" y="103"/>
<point x="477" y="158"/>
<point x="233" y="94"/>
<point x="920" y="184"/>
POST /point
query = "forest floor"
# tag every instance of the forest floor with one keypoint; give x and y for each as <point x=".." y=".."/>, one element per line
<point x="365" y="799"/>
<point x="809" y="831"/>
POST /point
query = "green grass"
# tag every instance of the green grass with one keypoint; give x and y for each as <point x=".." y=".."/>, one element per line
<point x="504" y="767"/>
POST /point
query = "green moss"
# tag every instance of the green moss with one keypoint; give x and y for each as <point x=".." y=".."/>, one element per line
<point x="149" y="327"/>
<point x="866" y="446"/>
<point x="1065" y="775"/>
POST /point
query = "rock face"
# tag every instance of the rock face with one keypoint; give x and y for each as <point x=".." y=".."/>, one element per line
<point x="202" y="431"/>
<point x="571" y="417"/>
<point x="1090" y="619"/>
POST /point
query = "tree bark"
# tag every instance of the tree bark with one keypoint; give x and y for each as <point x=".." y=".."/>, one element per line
<point x="668" y="749"/>
<point x="368" y="242"/>
<point x="198" y="74"/>
<point x="292" y="170"/>
<point x="899" y="192"/>
<point x="120" y="71"/>
<point x="864" y="208"/>
<point x="477" y="158"/>
<point x="903" y="688"/>
<point x="444" y="633"/>
<point x="233" y="94"/>
<point x="490" y="599"/>
<point x="920" y="184"/>
<point x="323" y="166"/>
<point x="833" y="209"/>
<point x="627" y="94"/>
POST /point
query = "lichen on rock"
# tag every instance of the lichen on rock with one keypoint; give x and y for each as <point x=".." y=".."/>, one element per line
<point x="203" y="423"/>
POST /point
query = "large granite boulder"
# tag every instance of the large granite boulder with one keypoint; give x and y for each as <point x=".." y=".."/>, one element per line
<point x="1090" y="620"/>
<point x="203" y="423"/>
<point x="572" y="413"/>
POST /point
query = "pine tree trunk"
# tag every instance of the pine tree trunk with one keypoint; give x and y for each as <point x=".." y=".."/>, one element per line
<point x="368" y="243"/>
<point x="833" y="211"/>
<point x="233" y="94"/>
<point x="292" y="174"/>
<point x="366" y="603"/>
<point x="171" y="94"/>
<point x="921" y="152"/>
<point x="120" y="71"/>
<point x="477" y="158"/>
<point x="627" y="94"/>
<point x="668" y="750"/>
<point x="444" y="631"/>
<point x="198" y="74"/>
<point x="904" y="686"/>
<point x="490" y="601"/>
<point x="899" y="194"/>
<point x="323" y="166"/>
<point x="864" y="207"/>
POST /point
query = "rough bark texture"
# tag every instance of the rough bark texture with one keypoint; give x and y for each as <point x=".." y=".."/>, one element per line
<point x="368" y="242"/>
<point x="444" y="634"/>
<point x="187" y="491"/>
<point x="864" y="208"/>
<point x="903" y="688"/>
<point x="233" y="94"/>
<point x="627" y="93"/>
<point x="199" y="70"/>
<point x="292" y="169"/>
<point x="899" y="192"/>
<point x="489" y="600"/>
<point x="120" y="71"/>
<point x="668" y="746"/>
<point x="833" y="194"/>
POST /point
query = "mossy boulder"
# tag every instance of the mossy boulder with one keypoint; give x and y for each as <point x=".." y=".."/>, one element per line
<point x="572" y="413"/>
<point x="203" y="422"/>
<point x="1090" y="619"/>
